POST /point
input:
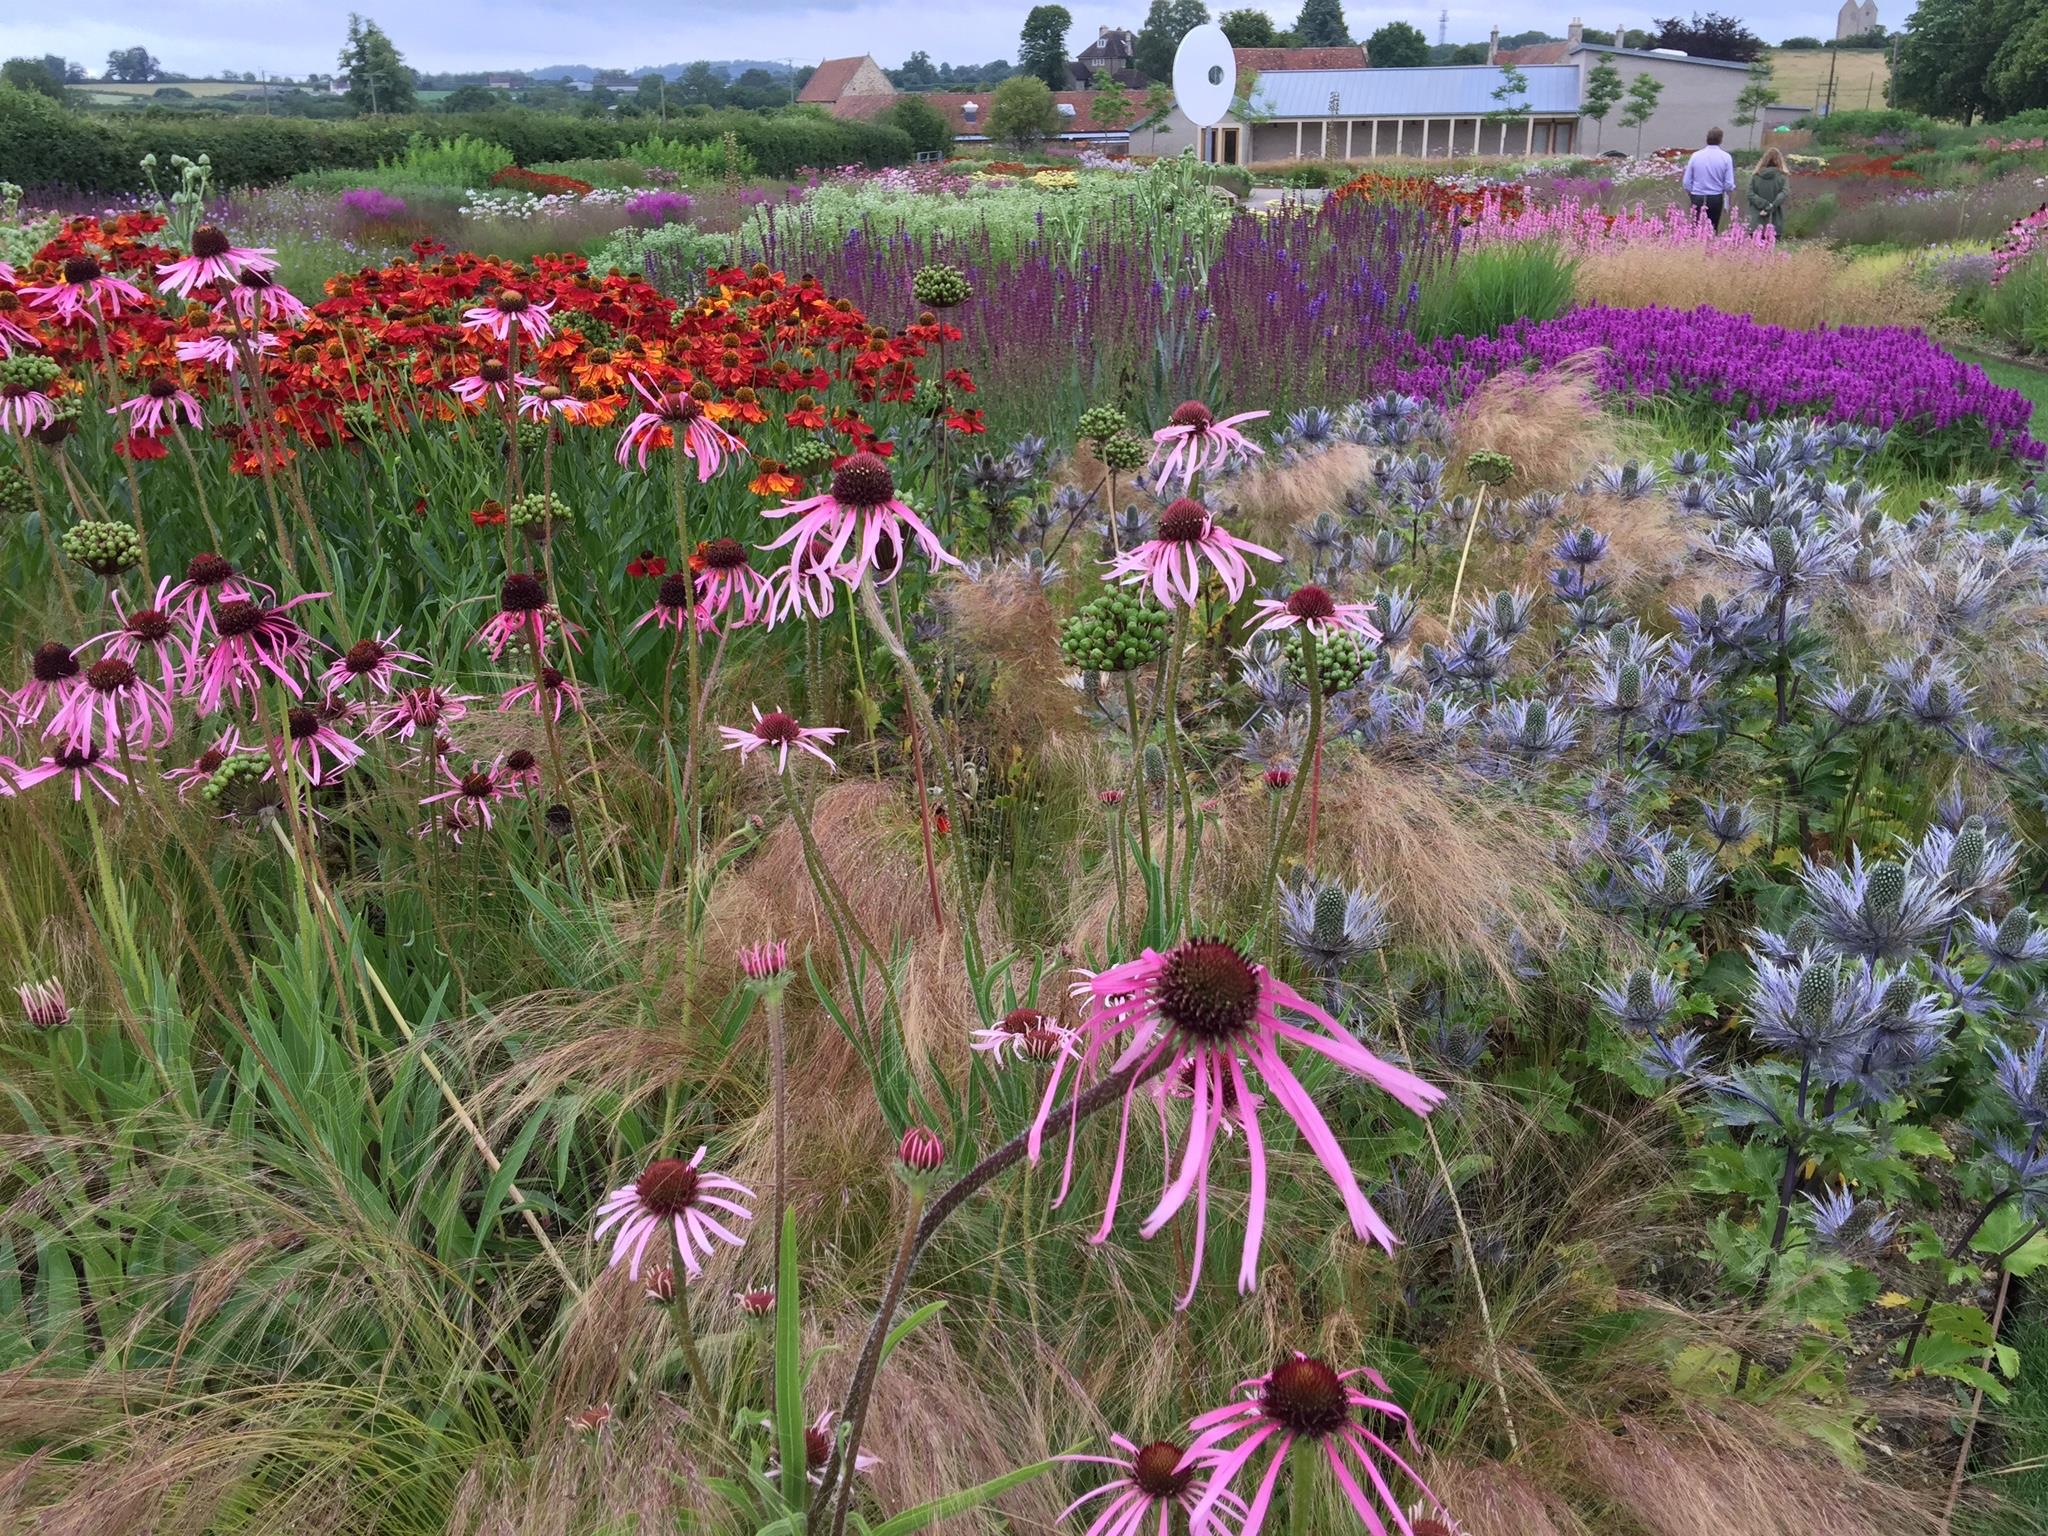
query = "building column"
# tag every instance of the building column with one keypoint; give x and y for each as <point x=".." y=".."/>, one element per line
<point x="1297" y="138"/>
<point x="1349" y="124"/>
<point x="1400" y="131"/>
<point x="1325" y="152"/>
<point x="1374" y="153"/>
<point x="1529" y="137"/>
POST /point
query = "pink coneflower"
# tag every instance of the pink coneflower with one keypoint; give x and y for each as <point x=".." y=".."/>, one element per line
<point x="450" y="821"/>
<point x="52" y="673"/>
<point x="1171" y="560"/>
<point x="1313" y="607"/>
<point x="1204" y="1008"/>
<point x="724" y="574"/>
<point x="688" y="427"/>
<point x="818" y="1443"/>
<point x="342" y="708"/>
<point x="1301" y="1398"/>
<point x="43" y="1004"/>
<point x="1230" y="1109"/>
<point x="780" y="731"/>
<point x="85" y="287"/>
<point x="549" y="400"/>
<point x="492" y="381"/>
<point x="591" y="1421"/>
<point x="214" y="259"/>
<point x="225" y="352"/>
<point x="756" y="1304"/>
<point x="426" y="709"/>
<point x="862" y="502"/>
<point x="196" y="774"/>
<point x="23" y="409"/>
<point x="259" y="296"/>
<point x="522" y="769"/>
<point x="158" y="407"/>
<point x="677" y="1195"/>
<point x="474" y="792"/>
<point x="1150" y="1484"/>
<point x="524" y="614"/>
<point x="508" y="308"/>
<point x="550" y="693"/>
<point x="767" y="961"/>
<point x="254" y="640"/>
<point x="86" y="765"/>
<point x="376" y="663"/>
<point x="1197" y="443"/>
<point x="149" y="629"/>
<point x="322" y="753"/>
<point x="673" y="605"/>
<point x="115" y="704"/>
<point x="1024" y="1034"/>
<point x="210" y="579"/>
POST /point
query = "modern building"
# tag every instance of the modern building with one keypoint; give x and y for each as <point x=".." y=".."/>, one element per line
<point x="1440" y="111"/>
<point x="1854" y="19"/>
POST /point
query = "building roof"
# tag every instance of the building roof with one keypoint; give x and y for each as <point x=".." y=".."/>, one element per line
<point x="952" y="105"/>
<point x="1279" y="60"/>
<point x="1660" y="55"/>
<point x="1113" y="43"/>
<point x="1449" y="90"/>
<point x="1534" y="53"/>
<point x="829" y="81"/>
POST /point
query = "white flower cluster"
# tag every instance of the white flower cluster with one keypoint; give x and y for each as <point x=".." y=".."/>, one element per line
<point x="531" y="205"/>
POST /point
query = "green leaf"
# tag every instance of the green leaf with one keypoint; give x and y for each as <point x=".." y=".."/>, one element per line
<point x="789" y="1374"/>
<point x="501" y="1182"/>
<point x="904" y="1329"/>
<point x="1920" y="1141"/>
<point x="959" y="1503"/>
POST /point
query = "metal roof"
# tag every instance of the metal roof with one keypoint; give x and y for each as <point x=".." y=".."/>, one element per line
<point x="1664" y="55"/>
<point x="1452" y="90"/>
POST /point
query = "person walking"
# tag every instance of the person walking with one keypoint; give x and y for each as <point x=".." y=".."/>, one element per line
<point x="1710" y="180"/>
<point x="1769" y="185"/>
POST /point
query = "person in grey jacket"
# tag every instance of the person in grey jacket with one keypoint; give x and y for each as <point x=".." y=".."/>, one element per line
<point x="1769" y="185"/>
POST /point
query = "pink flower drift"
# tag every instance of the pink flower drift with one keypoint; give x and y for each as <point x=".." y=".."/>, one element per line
<point x="508" y="310"/>
<point x="225" y="352"/>
<point x="377" y="663"/>
<point x="22" y="409"/>
<point x="675" y="605"/>
<point x="492" y="381"/>
<point x="724" y="577"/>
<point x="524" y="614"/>
<point x="157" y="409"/>
<point x="1149" y="1485"/>
<point x="260" y="297"/>
<point x="860" y="524"/>
<point x="84" y="765"/>
<point x="310" y="741"/>
<point x="1170" y="562"/>
<point x="1302" y="1399"/>
<point x="85" y="289"/>
<point x="469" y="802"/>
<point x="149" y="629"/>
<point x="691" y="431"/>
<point x="214" y="260"/>
<point x="1205" y="1010"/>
<point x="780" y="731"/>
<point x="1195" y="442"/>
<point x="112" y="705"/>
<point x="426" y="708"/>
<point x="254" y="642"/>
<point x="677" y="1195"/>
<point x="1315" y="609"/>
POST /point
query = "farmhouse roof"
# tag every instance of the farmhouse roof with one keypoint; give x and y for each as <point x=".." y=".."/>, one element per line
<point x="829" y="81"/>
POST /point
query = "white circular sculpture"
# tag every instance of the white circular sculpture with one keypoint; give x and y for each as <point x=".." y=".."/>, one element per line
<point x="1205" y="75"/>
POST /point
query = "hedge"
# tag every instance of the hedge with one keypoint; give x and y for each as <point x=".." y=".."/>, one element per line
<point x="47" y="147"/>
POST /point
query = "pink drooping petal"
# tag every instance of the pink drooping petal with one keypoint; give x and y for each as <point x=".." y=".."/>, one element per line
<point x="1255" y="1210"/>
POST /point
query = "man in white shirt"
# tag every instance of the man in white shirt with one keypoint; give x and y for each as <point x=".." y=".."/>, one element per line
<point x="1710" y="179"/>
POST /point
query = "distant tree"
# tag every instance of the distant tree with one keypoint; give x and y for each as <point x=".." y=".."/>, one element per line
<point x="1464" y="53"/>
<point x="1249" y="29"/>
<point x="917" y="73"/>
<point x="378" y="80"/>
<point x="1800" y="44"/>
<point x="1603" y="90"/>
<point x="1022" y="112"/>
<point x="1112" y="107"/>
<point x="1876" y="37"/>
<point x="1643" y="92"/>
<point x="700" y="86"/>
<point x="1154" y="111"/>
<point x="1321" y="25"/>
<point x="650" y="94"/>
<point x="1634" y="37"/>
<point x="66" y="71"/>
<point x="132" y="65"/>
<point x="1759" y="93"/>
<point x="2017" y="80"/>
<point x="1710" y="36"/>
<point x="1166" y="23"/>
<point x="1042" y="46"/>
<point x="925" y="123"/>
<point x="1527" y="39"/>
<point x="1946" y="54"/>
<point x="1511" y="100"/>
<point x="1398" y="45"/>
<point x="756" y="90"/>
<point x="33" y="76"/>
<point x="471" y="98"/>
<point x="170" y="93"/>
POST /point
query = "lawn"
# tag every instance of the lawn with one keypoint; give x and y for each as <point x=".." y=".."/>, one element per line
<point x="1801" y="77"/>
<point x="2024" y="377"/>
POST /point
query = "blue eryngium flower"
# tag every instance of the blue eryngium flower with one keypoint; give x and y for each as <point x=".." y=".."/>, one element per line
<point x="1532" y="730"/>
<point x="1674" y="1059"/>
<point x="1641" y="1000"/>
<point x="1330" y="925"/>
<point x="1671" y="879"/>
<point x="1856" y="1229"/>
<point x="2011" y="943"/>
<point x="1968" y="863"/>
<point x="2021" y="1078"/>
<point x="1728" y="821"/>
<point x="1879" y="911"/>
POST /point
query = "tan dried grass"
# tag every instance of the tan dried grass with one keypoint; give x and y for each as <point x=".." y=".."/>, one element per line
<point x="1789" y="285"/>
<point x="1549" y="423"/>
<point x="1275" y="498"/>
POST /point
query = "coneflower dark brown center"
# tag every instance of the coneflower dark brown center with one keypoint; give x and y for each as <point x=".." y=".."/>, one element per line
<point x="519" y="760"/>
<point x="817" y="1447"/>
<point x="477" y="784"/>
<point x="53" y="663"/>
<point x="364" y="656"/>
<point x="1021" y="1021"/>
<point x="511" y="301"/>
<point x="1312" y="603"/>
<point x="110" y="674"/>
<point x="676" y="590"/>
<point x="1209" y="990"/>
<point x="681" y="407"/>
<point x="668" y="1187"/>
<point x="1040" y="1044"/>
<point x="72" y="759"/>
<point x="1305" y="1396"/>
<point x="208" y="570"/>
<point x="1192" y="413"/>
<point x="303" y="723"/>
<point x="1183" y="522"/>
<point x="209" y="760"/>
<point x="152" y="626"/>
<point x="209" y="242"/>
<point x="777" y="727"/>
<point x="522" y="592"/>
<point x="724" y="555"/>
<point x="82" y="269"/>
<point x="1157" y="1472"/>
<point x="863" y="481"/>
<point x="162" y="387"/>
<point x="237" y="617"/>
<point x="551" y="678"/>
<point x="493" y="371"/>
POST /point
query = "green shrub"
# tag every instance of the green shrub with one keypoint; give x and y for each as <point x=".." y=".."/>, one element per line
<point x="1908" y="129"/>
<point x="696" y="160"/>
<point x="2016" y="311"/>
<point x="1485" y="289"/>
<point x="463" y="161"/>
<point x="1810" y="216"/>
<point x="673" y="257"/>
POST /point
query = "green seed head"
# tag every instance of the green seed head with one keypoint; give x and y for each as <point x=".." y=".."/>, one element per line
<point x="105" y="549"/>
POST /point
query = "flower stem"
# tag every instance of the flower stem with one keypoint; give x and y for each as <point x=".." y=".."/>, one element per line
<point x="686" y="1337"/>
<point x="1301" y="773"/>
<point x="859" y="1395"/>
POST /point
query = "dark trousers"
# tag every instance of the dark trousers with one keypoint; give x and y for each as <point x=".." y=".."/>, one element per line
<point x="1710" y="207"/>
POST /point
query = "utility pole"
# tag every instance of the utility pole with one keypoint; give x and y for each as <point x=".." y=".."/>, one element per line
<point x="1834" y="58"/>
<point x="1443" y="26"/>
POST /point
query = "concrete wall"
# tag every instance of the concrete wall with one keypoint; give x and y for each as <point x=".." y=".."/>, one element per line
<point x="1438" y="138"/>
<point x="1696" y="97"/>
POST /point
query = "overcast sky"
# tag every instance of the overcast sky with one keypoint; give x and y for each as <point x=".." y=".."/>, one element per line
<point x="292" y="37"/>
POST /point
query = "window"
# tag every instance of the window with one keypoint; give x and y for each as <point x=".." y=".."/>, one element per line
<point x="969" y="110"/>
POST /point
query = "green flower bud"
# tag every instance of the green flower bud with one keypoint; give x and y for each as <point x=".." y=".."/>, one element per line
<point x="105" y="549"/>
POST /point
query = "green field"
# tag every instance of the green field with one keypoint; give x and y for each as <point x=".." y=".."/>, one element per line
<point x="1801" y="77"/>
<point x="2024" y="377"/>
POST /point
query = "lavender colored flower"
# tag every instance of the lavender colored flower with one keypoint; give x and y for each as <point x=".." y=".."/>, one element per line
<point x="1532" y="730"/>
<point x="2022" y="1076"/>
<point x="2013" y="942"/>
<point x="1879" y="911"/>
<point x="1331" y="925"/>
<point x="1642" y="1000"/>
<point x="1856" y="1229"/>
<point x="1728" y="822"/>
